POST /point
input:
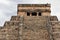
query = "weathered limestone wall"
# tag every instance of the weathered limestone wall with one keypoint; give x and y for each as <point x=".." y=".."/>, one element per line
<point x="9" y="31"/>
<point x="55" y="30"/>
<point x="35" y="28"/>
<point x="28" y="28"/>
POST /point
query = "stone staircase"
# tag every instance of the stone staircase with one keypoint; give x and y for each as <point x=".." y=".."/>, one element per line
<point x="28" y="28"/>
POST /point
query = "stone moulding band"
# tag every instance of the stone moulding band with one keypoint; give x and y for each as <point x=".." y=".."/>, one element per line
<point x="34" y="5"/>
<point x="37" y="10"/>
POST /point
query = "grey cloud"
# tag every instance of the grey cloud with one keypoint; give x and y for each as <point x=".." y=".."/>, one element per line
<point x="7" y="11"/>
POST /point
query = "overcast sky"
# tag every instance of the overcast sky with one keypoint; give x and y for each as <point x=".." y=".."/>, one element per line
<point x="8" y="8"/>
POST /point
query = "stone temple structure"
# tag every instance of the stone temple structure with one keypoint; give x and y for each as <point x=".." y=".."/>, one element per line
<point x="33" y="22"/>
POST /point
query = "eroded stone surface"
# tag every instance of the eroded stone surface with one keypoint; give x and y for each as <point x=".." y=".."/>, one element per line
<point x="23" y="27"/>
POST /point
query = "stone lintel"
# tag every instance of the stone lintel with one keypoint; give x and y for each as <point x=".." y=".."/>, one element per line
<point x="34" y="5"/>
<point x="37" y="10"/>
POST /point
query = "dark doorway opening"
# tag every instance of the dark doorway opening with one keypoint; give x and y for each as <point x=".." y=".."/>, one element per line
<point x="39" y="13"/>
<point x="28" y="14"/>
<point x="34" y="14"/>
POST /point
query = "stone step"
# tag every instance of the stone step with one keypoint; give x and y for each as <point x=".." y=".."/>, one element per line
<point x="56" y="38"/>
<point x="15" y="18"/>
<point x="56" y="32"/>
<point x="35" y="17"/>
<point x="32" y="23"/>
<point x="11" y="23"/>
<point x="53" y="18"/>
<point x="56" y="29"/>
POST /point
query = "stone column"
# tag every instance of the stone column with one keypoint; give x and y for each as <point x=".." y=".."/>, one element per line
<point x="37" y="13"/>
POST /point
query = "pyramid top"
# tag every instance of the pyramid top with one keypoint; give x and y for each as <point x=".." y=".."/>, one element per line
<point x="34" y="9"/>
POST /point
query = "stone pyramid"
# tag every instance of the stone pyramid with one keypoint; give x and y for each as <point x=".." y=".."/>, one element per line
<point x="33" y="22"/>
